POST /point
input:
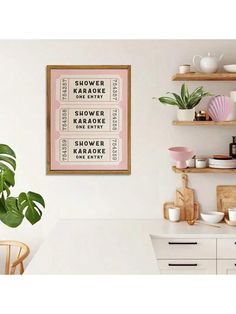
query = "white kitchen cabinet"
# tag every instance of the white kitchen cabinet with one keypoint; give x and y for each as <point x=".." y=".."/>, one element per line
<point x="226" y="256"/>
<point x="226" y="248"/>
<point x="226" y="267"/>
<point x="187" y="267"/>
<point x="185" y="255"/>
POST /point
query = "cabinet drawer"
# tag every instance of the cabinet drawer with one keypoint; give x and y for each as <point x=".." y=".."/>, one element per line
<point x="184" y="248"/>
<point x="226" y="267"/>
<point x="188" y="267"/>
<point x="226" y="248"/>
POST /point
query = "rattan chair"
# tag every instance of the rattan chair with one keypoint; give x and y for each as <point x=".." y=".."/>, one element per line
<point x="22" y="251"/>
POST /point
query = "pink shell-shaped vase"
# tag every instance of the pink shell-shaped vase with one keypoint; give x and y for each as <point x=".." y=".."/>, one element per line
<point x="219" y="108"/>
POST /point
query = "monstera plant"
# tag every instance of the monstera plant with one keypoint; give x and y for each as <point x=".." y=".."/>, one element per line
<point x="14" y="209"/>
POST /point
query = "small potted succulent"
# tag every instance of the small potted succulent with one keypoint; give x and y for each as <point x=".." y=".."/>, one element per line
<point x="185" y="102"/>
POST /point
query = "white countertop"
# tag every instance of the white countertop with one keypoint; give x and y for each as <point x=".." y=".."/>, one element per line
<point x="87" y="246"/>
<point x="165" y="228"/>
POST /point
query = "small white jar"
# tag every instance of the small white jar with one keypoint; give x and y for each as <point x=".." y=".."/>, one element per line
<point x="232" y="214"/>
<point x="184" y="68"/>
<point x="191" y="163"/>
<point x="201" y="162"/>
<point x="174" y="214"/>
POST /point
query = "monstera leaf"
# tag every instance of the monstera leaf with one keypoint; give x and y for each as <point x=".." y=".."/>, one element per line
<point x="12" y="217"/>
<point x="28" y="205"/>
<point x="14" y="209"/>
<point x="3" y="209"/>
<point x="7" y="167"/>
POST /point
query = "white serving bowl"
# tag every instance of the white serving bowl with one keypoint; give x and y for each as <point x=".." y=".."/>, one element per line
<point x="230" y="68"/>
<point x="212" y="217"/>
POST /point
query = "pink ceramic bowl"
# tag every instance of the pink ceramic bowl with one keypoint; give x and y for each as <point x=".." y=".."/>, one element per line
<point x="181" y="154"/>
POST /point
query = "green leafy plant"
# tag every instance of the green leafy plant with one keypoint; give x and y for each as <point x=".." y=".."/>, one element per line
<point x="185" y="100"/>
<point x="14" y="209"/>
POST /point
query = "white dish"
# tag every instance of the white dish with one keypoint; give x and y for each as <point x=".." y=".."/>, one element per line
<point x="221" y="167"/>
<point x="230" y="68"/>
<point x="229" y="162"/>
<point x="212" y="217"/>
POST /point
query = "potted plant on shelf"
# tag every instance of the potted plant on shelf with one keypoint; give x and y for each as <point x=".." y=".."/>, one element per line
<point x="185" y="102"/>
<point x="14" y="209"/>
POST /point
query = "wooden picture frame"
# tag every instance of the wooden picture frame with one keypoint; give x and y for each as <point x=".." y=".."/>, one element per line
<point x="88" y="119"/>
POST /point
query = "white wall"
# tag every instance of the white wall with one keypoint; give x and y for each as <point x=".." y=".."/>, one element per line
<point x="140" y="195"/>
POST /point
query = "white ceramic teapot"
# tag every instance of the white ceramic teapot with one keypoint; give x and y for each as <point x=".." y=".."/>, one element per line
<point x="207" y="64"/>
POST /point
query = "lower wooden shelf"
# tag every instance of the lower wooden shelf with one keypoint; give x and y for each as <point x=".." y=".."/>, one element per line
<point x="203" y="170"/>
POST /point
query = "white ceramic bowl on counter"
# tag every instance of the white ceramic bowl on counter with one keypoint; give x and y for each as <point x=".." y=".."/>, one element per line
<point x="212" y="217"/>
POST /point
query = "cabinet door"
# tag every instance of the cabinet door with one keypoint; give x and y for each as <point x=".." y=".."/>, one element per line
<point x="226" y="267"/>
<point x="226" y="248"/>
<point x="187" y="267"/>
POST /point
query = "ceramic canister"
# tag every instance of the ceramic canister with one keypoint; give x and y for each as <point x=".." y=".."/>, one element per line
<point x="201" y="162"/>
<point x="174" y="214"/>
<point x="184" y="68"/>
<point x="232" y="214"/>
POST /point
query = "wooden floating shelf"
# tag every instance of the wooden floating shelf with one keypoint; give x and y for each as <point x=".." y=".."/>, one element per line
<point x="210" y="123"/>
<point x="194" y="76"/>
<point x="203" y="170"/>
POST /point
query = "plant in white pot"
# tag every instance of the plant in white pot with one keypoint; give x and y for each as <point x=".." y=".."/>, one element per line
<point x="185" y="102"/>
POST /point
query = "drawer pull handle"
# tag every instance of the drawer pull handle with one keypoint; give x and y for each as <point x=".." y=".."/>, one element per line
<point x="182" y="243"/>
<point x="182" y="264"/>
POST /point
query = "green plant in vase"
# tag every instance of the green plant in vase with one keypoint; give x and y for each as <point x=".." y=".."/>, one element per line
<point x="185" y="102"/>
<point x="14" y="209"/>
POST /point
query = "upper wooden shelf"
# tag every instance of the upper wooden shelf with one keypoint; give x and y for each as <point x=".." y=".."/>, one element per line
<point x="194" y="76"/>
<point x="210" y="123"/>
<point x="203" y="170"/>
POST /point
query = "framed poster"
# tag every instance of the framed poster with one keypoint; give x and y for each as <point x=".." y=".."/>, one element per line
<point x="88" y="119"/>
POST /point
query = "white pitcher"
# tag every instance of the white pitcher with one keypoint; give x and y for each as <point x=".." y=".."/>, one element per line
<point x="207" y="64"/>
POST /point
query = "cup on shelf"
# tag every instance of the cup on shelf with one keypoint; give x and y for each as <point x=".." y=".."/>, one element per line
<point x="174" y="214"/>
<point x="201" y="162"/>
<point x="232" y="214"/>
<point x="191" y="162"/>
<point x="184" y="68"/>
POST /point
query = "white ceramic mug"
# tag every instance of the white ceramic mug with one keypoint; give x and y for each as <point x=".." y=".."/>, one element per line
<point x="201" y="162"/>
<point x="191" y="162"/>
<point x="232" y="214"/>
<point x="174" y="214"/>
<point x="184" y="68"/>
